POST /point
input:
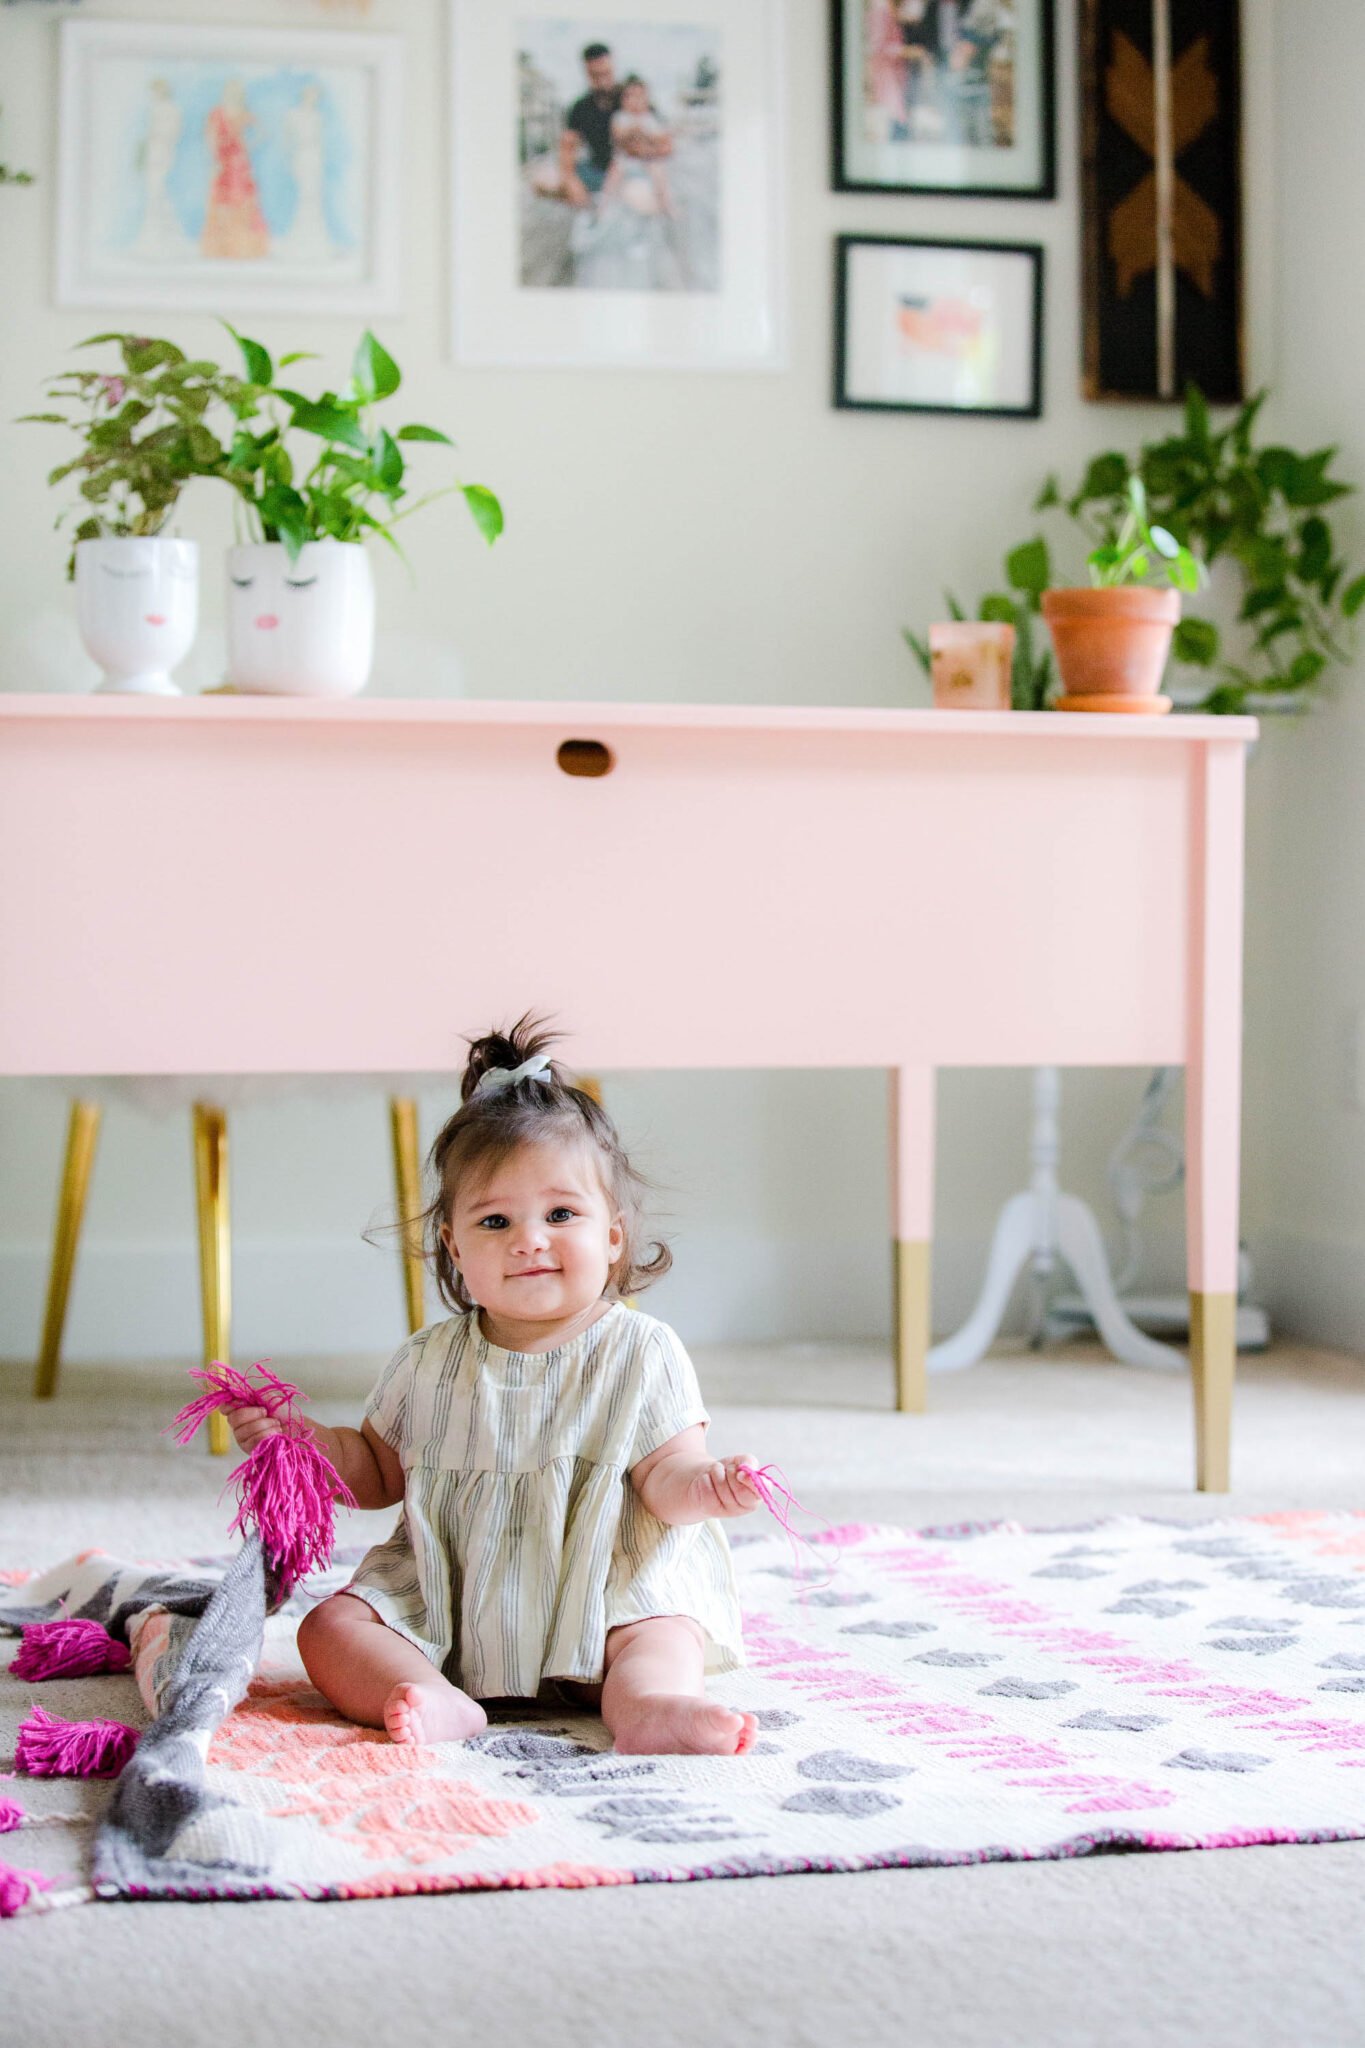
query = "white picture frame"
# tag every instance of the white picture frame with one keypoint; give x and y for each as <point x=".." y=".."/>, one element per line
<point x="675" y="263"/>
<point x="229" y="169"/>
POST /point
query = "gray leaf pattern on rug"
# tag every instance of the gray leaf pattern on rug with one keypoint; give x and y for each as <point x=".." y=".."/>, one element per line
<point x="827" y="1597"/>
<point x="1252" y="1646"/>
<point x="662" y="1818"/>
<point x="1212" y="1546"/>
<point x="1167" y="1586"/>
<point x="1326" y="1593"/>
<point x="1071" y="1571"/>
<point x="889" y="1628"/>
<point x="1343" y="1684"/>
<point x="1344" y="1660"/>
<point x="841" y="1800"/>
<point x="1102" y="1723"/>
<point x="1027" y="1688"/>
<point x="1257" y="1624"/>
<point x="959" y="1660"/>
<point x="1215" y="1760"/>
<point x="1149" y="1603"/>
<point x="770" y="1719"/>
<point x="841" y="1764"/>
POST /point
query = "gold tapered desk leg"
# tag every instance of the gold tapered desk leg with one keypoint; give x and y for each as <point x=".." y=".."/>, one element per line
<point x="407" y="1180"/>
<point x="910" y="1324"/>
<point x="590" y="1085"/>
<point x="215" y="1247"/>
<point x="1213" y="1367"/>
<point x="82" y="1132"/>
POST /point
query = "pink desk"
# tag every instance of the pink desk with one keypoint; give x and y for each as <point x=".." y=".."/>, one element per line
<point x="244" y="885"/>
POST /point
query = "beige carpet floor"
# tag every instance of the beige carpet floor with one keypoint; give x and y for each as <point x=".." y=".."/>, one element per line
<point x="1264" y="1948"/>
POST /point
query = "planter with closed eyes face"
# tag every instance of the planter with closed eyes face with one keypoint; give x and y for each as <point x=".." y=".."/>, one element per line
<point x="303" y="628"/>
<point x="137" y="606"/>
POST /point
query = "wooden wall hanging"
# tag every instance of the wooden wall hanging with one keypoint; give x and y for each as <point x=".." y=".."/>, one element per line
<point x="1161" y="136"/>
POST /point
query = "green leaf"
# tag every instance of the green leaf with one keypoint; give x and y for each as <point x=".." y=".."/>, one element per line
<point x="1048" y="496"/>
<point x="1305" y="668"/>
<point x="45" y="419"/>
<point x="1196" y="416"/>
<point x="1315" y="549"/>
<point x="332" y="420"/>
<point x="1165" y="543"/>
<point x="97" y="340"/>
<point x="1353" y="597"/>
<point x="141" y="355"/>
<point x="484" y="509"/>
<point x="1195" y="642"/>
<point x="1184" y="571"/>
<point x="206" y="450"/>
<point x="998" y="608"/>
<point x="919" y="648"/>
<point x="388" y="460"/>
<point x="374" y="372"/>
<point x="1106" y="477"/>
<point x="955" y="610"/>
<point x="255" y="359"/>
<point x="1029" y="567"/>
<point x="418" y="433"/>
<point x="299" y="355"/>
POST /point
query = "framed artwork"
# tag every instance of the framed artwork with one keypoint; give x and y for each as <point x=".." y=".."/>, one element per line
<point x="944" y="96"/>
<point x="618" y="183"/>
<point x="229" y="168"/>
<point x="938" y="326"/>
<point x="1161" y="198"/>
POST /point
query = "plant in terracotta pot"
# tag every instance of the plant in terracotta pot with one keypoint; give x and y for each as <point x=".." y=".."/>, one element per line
<point x="143" y="437"/>
<point x="1111" y="640"/>
<point x="314" y="477"/>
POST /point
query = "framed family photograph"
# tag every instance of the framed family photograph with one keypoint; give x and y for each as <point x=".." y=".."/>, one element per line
<point x="229" y="167"/>
<point x="938" y="326"/>
<point x="618" y="183"/>
<point x="944" y="96"/>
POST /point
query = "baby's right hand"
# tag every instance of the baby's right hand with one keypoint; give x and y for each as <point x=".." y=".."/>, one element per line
<point x="250" y="1425"/>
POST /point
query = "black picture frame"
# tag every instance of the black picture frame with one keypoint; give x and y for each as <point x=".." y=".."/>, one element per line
<point x="1043" y="186"/>
<point x="1031" y="252"/>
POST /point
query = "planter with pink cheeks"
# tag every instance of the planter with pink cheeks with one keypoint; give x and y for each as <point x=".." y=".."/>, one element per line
<point x="300" y="628"/>
<point x="137" y="606"/>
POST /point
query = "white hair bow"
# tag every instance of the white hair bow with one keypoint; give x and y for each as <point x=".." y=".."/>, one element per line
<point x="498" y="1078"/>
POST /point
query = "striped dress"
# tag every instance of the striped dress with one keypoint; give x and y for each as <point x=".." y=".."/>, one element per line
<point x="522" y="1540"/>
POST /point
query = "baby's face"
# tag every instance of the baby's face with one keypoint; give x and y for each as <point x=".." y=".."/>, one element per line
<point x="537" y="1239"/>
<point x="635" y="99"/>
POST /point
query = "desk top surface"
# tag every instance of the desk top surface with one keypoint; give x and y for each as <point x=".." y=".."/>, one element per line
<point x="577" y="718"/>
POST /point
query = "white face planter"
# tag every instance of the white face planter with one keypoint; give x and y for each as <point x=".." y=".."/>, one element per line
<point x="137" y="606"/>
<point x="300" y="629"/>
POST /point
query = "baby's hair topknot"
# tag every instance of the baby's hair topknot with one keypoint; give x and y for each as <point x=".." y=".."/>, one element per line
<point x="539" y="1109"/>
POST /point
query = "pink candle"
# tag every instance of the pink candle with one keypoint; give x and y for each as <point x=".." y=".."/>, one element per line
<point x="971" y="660"/>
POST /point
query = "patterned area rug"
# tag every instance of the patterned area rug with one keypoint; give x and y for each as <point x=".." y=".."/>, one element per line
<point x="961" y="1695"/>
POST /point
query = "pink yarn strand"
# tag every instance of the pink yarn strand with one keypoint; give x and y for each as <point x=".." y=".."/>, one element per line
<point x="12" y="1816"/>
<point x="17" y="1887"/>
<point x="49" y="1748"/>
<point x="770" y="1484"/>
<point x="287" y="1487"/>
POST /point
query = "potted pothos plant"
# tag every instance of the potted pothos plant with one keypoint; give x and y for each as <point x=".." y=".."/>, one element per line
<point x="314" y="478"/>
<point x="1111" y="638"/>
<point x="143" y="437"/>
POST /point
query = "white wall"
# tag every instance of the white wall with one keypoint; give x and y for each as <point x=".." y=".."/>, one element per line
<point x="782" y="547"/>
<point x="1305" y="1106"/>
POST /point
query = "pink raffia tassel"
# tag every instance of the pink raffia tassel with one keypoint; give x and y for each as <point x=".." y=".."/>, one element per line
<point x="770" y="1484"/>
<point x="12" y="1816"/>
<point x="288" y="1488"/>
<point x="17" y="1888"/>
<point x="48" y="1748"/>
<point x="71" y="1647"/>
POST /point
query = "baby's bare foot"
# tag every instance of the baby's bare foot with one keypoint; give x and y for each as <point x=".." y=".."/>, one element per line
<point x="673" y="1724"/>
<point x="432" y="1713"/>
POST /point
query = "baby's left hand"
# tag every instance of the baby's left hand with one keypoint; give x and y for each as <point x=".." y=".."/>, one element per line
<point x="725" y="1489"/>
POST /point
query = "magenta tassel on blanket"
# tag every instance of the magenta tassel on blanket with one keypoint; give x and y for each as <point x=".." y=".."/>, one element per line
<point x="72" y="1647"/>
<point x="17" y="1888"/>
<point x="11" y="1816"/>
<point x="49" y="1748"/>
<point x="287" y="1487"/>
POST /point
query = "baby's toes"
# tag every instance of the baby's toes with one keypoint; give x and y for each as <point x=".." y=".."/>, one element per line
<point x="748" y="1733"/>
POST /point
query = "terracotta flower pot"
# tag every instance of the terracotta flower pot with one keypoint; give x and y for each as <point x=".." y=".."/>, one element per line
<point x="1111" y="643"/>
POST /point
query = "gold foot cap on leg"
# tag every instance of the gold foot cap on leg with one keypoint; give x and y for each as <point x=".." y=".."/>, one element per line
<point x="1213" y="1367"/>
<point x="910" y="1324"/>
